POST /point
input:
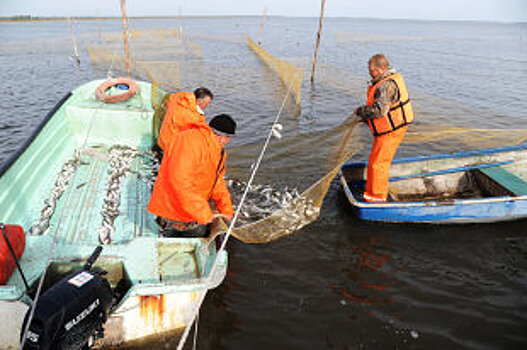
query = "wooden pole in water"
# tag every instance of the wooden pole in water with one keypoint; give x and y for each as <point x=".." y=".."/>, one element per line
<point x="260" y="32"/>
<point x="180" y="19"/>
<point x="75" y="51"/>
<point x="318" y="40"/>
<point x="125" y="38"/>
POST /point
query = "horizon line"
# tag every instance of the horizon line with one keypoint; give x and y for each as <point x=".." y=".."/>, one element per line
<point x="37" y="18"/>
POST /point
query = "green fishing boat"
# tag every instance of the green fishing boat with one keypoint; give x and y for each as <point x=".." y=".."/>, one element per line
<point x="84" y="178"/>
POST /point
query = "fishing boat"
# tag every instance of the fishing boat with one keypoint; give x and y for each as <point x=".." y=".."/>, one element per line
<point x="85" y="176"/>
<point x="483" y="185"/>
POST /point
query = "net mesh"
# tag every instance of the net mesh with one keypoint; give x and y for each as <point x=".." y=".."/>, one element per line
<point x="110" y="60"/>
<point x="156" y="55"/>
<point x="364" y="37"/>
<point x="468" y="137"/>
<point x="184" y="56"/>
<point x="304" y="209"/>
<point x="435" y="117"/>
<point x="159" y="99"/>
<point x="177" y="62"/>
<point x="290" y="74"/>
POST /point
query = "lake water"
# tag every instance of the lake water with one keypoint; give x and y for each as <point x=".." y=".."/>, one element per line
<point x="339" y="283"/>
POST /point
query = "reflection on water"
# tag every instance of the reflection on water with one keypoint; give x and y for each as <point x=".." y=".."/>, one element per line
<point x="339" y="282"/>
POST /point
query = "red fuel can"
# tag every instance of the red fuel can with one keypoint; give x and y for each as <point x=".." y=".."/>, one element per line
<point x="17" y="238"/>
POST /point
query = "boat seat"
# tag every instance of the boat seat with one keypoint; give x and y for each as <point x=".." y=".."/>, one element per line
<point x="514" y="184"/>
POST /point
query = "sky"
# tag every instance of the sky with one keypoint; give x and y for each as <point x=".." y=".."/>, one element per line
<point x="479" y="10"/>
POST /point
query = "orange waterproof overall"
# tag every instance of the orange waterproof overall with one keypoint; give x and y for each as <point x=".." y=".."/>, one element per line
<point x="388" y="132"/>
<point x="181" y="113"/>
<point x="192" y="172"/>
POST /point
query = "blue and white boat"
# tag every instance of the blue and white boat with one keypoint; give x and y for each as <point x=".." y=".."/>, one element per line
<point x="485" y="185"/>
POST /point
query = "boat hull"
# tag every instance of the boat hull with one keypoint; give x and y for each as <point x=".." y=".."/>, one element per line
<point x="441" y="171"/>
<point x="77" y="146"/>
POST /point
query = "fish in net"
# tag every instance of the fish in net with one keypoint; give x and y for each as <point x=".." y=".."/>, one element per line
<point x="305" y="208"/>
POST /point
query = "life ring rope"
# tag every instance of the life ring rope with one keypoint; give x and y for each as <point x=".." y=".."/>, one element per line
<point x="101" y="94"/>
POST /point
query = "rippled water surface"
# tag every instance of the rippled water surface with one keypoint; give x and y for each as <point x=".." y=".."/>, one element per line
<point x="339" y="283"/>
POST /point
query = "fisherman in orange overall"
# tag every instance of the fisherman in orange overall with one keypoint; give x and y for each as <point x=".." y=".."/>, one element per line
<point x="388" y="112"/>
<point x="191" y="173"/>
<point x="183" y="108"/>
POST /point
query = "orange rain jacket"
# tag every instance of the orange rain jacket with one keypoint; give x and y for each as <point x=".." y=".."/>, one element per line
<point x="400" y="113"/>
<point x="181" y="113"/>
<point x="191" y="173"/>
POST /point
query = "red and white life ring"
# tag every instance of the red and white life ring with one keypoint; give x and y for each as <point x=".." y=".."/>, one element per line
<point x="100" y="92"/>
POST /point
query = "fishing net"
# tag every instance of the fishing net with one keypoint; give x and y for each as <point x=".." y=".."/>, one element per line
<point x="435" y="116"/>
<point x="110" y="60"/>
<point x="263" y="224"/>
<point x="342" y="80"/>
<point x="290" y="74"/>
<point x="471" y="138"/>
<point x="159" y="56"/>
<point x="154" y="43"/>
<point x="363" y="37"/>
<point x="178" y="63"/>
<point x="305" y="208"/>
<point x="165" y="74"/>
<point x="159" y="34"/>
<point x="159" y="99"/>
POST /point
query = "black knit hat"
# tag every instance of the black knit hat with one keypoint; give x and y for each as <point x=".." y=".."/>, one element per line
<point x="223" y="125"/>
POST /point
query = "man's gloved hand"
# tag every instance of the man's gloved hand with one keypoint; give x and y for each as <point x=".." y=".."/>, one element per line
<point x="359" y="111"/>
<point x="227" y="218"/>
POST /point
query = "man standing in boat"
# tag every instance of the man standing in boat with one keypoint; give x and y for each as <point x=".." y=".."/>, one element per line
<point x="388" y="112"/>
<point x="191" y="173"/>
<point x="183" y="108"/>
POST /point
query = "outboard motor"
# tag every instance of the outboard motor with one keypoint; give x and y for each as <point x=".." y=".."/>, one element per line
<point x="71" y="312"/>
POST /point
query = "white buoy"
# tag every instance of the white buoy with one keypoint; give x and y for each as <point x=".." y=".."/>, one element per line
<point x="276" y="133"/>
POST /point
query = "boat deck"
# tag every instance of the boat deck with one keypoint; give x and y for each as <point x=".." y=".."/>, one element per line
<point x="466" y="175"/>
<point x="81" y="205"/>
<point x="86" y="173"/>
<point x="89" y="169"/>
<point x="152" y="265"/>
<point x="137" y="252"/>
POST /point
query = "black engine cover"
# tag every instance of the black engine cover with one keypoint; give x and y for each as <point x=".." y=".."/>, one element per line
<point x="69" y="312"/>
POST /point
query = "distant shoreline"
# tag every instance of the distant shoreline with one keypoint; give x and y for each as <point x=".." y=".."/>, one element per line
<point x="29" y="18"/>
<point x="55" y="19"/>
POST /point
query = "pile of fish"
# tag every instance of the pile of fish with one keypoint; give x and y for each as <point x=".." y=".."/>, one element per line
<point x="149" y="167"/>
<point x="120" y="159"/>
<point x="261" y="200"/>
<point x="63" y="178"/>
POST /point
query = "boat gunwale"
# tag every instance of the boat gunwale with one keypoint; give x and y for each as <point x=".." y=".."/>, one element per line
<point x="6" y="165"/>
<point x="433" y="203"/>
<point x="357" y="203"/>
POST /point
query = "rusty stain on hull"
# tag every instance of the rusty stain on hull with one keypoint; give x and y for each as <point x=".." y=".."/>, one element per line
<point x="152" y="309"/>
<point x="148" y="316"/>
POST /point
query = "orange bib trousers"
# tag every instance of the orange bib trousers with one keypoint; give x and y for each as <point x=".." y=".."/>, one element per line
<point x="382" y="152"/>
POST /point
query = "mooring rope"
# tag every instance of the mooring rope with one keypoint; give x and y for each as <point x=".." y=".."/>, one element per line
<point x="274" y="131"/>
